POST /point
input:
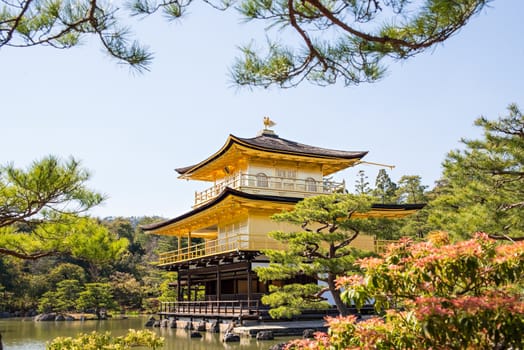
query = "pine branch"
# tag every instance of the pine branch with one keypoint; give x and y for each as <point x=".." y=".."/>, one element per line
<point x="304" y="226"/>
<point x="320" y="292"/>
<point x="504" y="237"/>
<point x="25" y="256"/>
<point x="513" y="205"/>
<point x="348" y="241"/>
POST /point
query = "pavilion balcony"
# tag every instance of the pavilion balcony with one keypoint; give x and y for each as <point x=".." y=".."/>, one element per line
<point x="245" y="242"/>
<point x="272" y="185"/>
<point x="381" y="245"/>
<point x="219" y="246"/>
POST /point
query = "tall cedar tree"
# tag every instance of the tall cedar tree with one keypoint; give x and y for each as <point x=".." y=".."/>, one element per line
<point x="385" y="188"/>
<point x="362" y="184"/>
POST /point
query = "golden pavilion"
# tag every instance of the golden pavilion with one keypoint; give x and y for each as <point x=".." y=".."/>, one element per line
<point x="227" y="227"/>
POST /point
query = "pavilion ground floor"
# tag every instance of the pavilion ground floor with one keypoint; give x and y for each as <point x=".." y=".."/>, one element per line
<point x="225" y="287"/>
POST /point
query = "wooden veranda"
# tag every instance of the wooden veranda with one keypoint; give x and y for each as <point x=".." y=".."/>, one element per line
<point x="225" y="309"/>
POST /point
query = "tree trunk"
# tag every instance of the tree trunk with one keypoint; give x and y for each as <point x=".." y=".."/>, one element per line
<point x="342" y="308"/>
<point x="93" y="271"/>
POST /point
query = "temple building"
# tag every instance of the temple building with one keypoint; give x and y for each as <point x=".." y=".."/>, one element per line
<point x="227" y="227"/>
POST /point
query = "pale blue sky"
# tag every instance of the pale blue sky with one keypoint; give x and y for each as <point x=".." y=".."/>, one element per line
<point x="131" y="131"/>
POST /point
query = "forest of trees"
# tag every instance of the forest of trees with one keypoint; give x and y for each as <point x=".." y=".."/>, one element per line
<point x="92" y="278"/>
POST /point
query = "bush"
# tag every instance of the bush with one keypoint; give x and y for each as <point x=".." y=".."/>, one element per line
<point x="434" y="294"/>
<point x="103" y="341"/>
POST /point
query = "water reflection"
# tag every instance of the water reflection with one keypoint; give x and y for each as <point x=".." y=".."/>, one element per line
<point x="25" y="334"/>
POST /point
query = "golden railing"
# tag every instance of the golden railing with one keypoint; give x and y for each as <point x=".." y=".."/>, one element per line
<point x="270" y="183"/>
<point x="218" y="246"/>
<point x="208" y="248"/>
<point x="244" y="241"/>
<point x="382" y="244"/>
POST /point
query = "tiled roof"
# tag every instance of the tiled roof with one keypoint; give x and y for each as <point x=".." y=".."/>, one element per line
<point x="272" y="143"/>
<point x="275" y="143"/>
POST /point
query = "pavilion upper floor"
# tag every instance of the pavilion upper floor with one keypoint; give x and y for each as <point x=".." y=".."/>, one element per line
<point x="239" y="221"/>
<point x="274" y="181"/>
<point x="270" y="165"/>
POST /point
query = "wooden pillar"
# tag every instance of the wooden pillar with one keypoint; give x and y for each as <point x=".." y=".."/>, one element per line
<point x="249" y="291"/>
<point x="188" y="287"/>
<point x="219" y="284"/>
<point x="179" y="286"/>
<point x="179" y="247"/>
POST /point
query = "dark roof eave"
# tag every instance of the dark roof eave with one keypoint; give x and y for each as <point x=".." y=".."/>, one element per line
<point x="227" y="192"/>
<point x="291" y="200"/>
<point x="267" y="143"/>
<point x="413" y="206"/>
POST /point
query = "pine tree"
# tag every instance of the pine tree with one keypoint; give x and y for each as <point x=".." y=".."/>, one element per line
<point x="339" y="40"/>
<point x="483" y="185"/>
<point x="362" y="184"/>
<point x="411" y="190"/>
<point x="385" y="188"/>
<point x="321" y="250"/>
<point x="40" y="205"/>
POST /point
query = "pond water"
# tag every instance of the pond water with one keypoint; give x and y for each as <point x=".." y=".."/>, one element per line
<point x="26" y="334"/>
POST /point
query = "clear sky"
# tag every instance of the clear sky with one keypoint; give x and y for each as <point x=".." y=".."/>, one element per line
<point x="131" y="130"/>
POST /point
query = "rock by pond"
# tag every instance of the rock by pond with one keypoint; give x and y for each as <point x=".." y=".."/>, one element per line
<point x="279" y="346"/>
<point x="231" y="337"/>
<point x="150" y="322"/>
<point x="265" y="335"/>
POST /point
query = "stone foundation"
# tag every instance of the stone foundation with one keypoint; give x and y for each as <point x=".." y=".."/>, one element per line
<point x="211" y="325"/>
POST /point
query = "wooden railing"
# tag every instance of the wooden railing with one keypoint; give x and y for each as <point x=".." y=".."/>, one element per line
<point x="224" y="308"/>
<point x="208" y="248"/>
<point x="382" y="244"/>
<point x="270" y="183"/>
<point x="244" y="241"/>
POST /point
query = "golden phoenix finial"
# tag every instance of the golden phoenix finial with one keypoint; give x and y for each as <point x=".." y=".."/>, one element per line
<point x="268" y="123"/>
